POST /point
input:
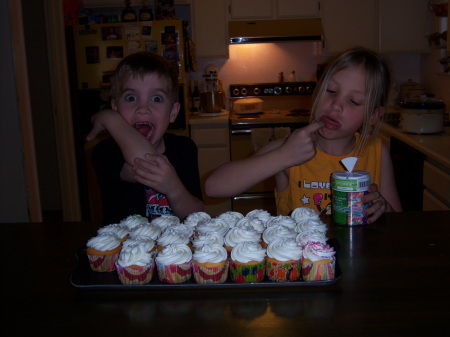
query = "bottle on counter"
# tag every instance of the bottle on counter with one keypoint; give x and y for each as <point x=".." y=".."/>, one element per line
<point x="128" y="13"/>
<point x="221" y="93"/>
<point x="145" y="13"/>
<point x="195" y="97"/>
<point x="292" y="76"/>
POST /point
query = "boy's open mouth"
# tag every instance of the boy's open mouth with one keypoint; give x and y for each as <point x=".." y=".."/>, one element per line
<point x="330" y="123"/>
<point x="146" y="129"/>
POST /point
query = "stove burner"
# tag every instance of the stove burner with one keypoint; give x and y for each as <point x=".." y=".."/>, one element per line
<point x="299" y="113"/>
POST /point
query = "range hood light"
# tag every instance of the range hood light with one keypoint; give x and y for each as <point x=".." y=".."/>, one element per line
<point x="282" y="30"/>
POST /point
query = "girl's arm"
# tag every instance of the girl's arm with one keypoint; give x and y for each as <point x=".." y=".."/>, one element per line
<point x="132" y="144"/>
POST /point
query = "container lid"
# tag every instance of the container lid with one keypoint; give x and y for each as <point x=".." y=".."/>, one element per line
<point x="423" y="103"/>
<point x="248" y="101"/>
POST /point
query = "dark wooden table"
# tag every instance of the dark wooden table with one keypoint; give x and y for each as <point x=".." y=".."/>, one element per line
<point x="395" y="282"/>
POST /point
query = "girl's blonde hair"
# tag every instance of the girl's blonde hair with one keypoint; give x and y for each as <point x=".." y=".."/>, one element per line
<point x="378" y="81"/>
<point x="144" y="63"/>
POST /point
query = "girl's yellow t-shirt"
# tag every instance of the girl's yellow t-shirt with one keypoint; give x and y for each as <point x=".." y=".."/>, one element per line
<point x="310" y="183"/>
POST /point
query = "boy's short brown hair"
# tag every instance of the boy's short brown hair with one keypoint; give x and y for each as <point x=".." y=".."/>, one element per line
<point x="140" y="64"/>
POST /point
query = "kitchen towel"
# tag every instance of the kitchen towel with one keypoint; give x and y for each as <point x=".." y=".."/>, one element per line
<point x="262" y="136"/>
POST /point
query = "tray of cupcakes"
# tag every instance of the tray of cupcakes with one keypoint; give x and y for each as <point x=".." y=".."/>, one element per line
<point x="231" y="250"/>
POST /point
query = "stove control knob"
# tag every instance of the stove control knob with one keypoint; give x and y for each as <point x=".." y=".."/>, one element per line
<point x="244" y="92"/>
<point x="288" y="90"/>
<point x="309" y="89"/>
<point x="256" y="91"/>
<point x="235" y="92"/>
<point x="277" y="90"/>
<point x="301" y="89"/>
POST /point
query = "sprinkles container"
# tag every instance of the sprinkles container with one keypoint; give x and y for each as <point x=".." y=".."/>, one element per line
<point x="348" y="189"/>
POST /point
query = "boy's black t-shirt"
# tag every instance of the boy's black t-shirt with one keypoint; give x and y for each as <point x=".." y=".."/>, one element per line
<point x="120" y="198"/>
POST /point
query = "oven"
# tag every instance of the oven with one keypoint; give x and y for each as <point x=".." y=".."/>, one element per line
<point x="286" y="106"/>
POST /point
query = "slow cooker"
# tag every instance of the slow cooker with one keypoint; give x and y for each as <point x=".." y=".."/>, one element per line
<point x="422" y="115"/>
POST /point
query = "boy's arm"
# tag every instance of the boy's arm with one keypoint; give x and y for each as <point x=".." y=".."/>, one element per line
<point x="131" y="142"/>
<point x="388" y="187"/>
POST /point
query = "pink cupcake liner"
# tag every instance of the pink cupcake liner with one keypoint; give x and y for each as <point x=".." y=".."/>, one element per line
<point x="174" y="273"/>
<point x="103" y="263"/>
<point x="318" y="272"/>
<point x="203" y="275"/>
<point x="139" y="275"/>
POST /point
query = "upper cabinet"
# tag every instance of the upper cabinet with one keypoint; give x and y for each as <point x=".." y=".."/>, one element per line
<point x="210" y="27"/>
<point x="273" y="9"/>
<point x="382" y="25"/>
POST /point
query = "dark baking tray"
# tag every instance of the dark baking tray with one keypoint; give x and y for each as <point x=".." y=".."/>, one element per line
<point x="84" y="278"/>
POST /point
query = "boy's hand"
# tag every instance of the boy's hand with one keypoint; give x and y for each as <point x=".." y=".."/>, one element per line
<point x="378" y="204"/>
<point x="300" y="146"/>
<point x="155" y="171"/>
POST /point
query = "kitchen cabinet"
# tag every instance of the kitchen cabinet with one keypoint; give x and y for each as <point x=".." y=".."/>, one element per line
<point x="273" y="9"/>
<point x="382" y="25"/>
<point x="212" y="137"/>
<point x="210" y="28"/>
<point x="436" y="193"/>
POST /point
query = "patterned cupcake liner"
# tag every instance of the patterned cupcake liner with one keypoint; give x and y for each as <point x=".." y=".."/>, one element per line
<point x="204" y="275"/>
<point x="318" y="270"/>
<point x="174" y="273"/>
<point x="279" y="271"/>
<point x="135" y="275"/>
<point x="103" y="263"/>
<point x="247" y="273"/>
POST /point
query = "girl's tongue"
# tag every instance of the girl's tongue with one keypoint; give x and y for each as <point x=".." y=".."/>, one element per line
<point x="330" y="123"/>
<point x="145" y="129"/>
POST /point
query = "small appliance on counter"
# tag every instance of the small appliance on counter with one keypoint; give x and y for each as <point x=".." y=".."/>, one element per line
<point x="422" y="115"/>
<point x="212" y="101"/>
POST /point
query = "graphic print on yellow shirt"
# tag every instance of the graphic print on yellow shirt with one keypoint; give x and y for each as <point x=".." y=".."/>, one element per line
<point x="310" y="183"/>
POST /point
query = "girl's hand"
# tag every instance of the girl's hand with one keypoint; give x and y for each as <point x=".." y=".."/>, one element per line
<point x="378" y="204"/>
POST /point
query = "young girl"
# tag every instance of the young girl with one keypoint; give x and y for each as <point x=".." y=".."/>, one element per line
<point x="349" y="102"/>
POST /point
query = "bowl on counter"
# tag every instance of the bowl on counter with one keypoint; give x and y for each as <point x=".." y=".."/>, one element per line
<point x="422" y="115"/>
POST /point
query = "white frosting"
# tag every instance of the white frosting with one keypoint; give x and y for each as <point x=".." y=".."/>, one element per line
<point x="170" y="236"/>
<point x="133" y="221"/>
<point x="212" y="225"/>
<point x="231" y="217"/>
<point x="248" y="251"/>
<point x="149" y="230"/>
<point x="194" y="218"/>
<point x="103" y="242"/>
<point x="240" y="234"/>
<point x="316" y="251"/>
<point x="207" y="238"/>
<point x="261" y="214"/>
<point x="311" y="235"/>
<point x="143" y="241"/>
<point x="181" y="228"/>
<point x="278" y="231"/>
<point x="115" y="229"/>
<point x="284" y="250"/>
<point x="134" y="255"/>
<point x="301" y="213"/>
<point x="252" y="221"/>
<point x="284" y="220"/>
<point x="174" y="254"/>
<point x="210" y="253"/>
<point x="165" y="221"/>
<point x="310" y="224"/>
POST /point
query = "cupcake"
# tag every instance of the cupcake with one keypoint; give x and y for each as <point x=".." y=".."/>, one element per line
<point x="210" y="264"/>
<point x="149" y="230"/>
<point x="194" y="218"/>
<point x="252" y="221"/>
<point x="247" y="264"/>
<point x="239" y="234"/>
<point x="284" y="220"/>
<point x="310" y="235"/>
<point x="212" y="225"/>
<point x="174" y="263"/>
<point x="103" y="251"/>
<point x="133" y="221"/>
<point x="302" y="213"/>
<point x="261" y="214"/>
<point x="231" y="217"/>
<point x="148" y="244"/>
<point x="121" y="232"/>
<point x="275" y="232"/>
<point x="135" y="265"/>
<point x="208" y="238"/>
<point x="318" y="262"/>
<point x="309" y="225"/>
<point x="283" y="260"/>
<point x="170" y="236"/>
<point x="165" y="221"/>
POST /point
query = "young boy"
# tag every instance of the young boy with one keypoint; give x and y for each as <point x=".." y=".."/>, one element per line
<point x="142" y="169"/>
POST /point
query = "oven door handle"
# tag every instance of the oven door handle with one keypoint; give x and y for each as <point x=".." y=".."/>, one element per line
<point x="241" y="132"/>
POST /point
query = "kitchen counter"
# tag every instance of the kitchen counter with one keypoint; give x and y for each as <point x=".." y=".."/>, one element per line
<point x="436" y="147"/>
<point x="209" y="120"/>
<point x="392" y="285"/>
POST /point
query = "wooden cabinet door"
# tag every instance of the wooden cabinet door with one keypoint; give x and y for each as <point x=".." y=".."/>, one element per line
<point x="404" y="26"/>
<point x="251" y="9"/>
<point x="297" y="8"/>
<point x="349" y="23"/>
